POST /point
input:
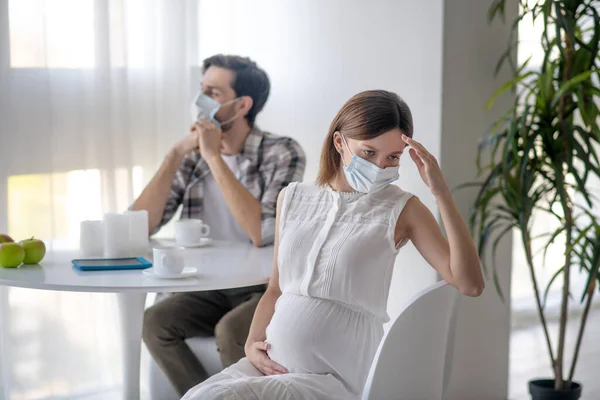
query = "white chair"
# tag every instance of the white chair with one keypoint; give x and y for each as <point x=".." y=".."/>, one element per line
<point x="205" y="348"/>
<point x="412" y="362"/>
<point x="414" y="357"/>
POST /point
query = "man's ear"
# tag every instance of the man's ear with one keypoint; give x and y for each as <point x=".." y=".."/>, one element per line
<point x="245" y="104"/>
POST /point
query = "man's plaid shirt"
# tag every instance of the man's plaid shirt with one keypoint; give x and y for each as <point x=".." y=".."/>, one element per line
<point x="267" y="164"/>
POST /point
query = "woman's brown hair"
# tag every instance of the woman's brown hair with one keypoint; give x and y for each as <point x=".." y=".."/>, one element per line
<point x="365" y="116"/>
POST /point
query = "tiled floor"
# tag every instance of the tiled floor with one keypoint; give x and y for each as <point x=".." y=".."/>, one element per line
<point x="529" y="358"/>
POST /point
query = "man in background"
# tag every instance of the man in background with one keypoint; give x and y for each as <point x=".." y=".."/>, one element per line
<point x="228" y="173"/>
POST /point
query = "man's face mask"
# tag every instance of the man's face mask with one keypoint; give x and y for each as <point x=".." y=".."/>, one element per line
<point x="205" y="106"/>
<point x="365" y="176"/>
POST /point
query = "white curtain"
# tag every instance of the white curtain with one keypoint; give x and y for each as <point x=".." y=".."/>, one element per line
<point x="92" y="95"/>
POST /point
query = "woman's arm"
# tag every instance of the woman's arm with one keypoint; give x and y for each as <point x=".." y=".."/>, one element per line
<point x="256" y="347"/>
<point x="455" y="259"/>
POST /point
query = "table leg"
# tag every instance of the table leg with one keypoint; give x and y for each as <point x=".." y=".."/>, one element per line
<point x="131" y="310"/>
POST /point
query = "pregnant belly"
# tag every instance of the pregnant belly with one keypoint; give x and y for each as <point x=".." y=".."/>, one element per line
<point x="312" y="335"/>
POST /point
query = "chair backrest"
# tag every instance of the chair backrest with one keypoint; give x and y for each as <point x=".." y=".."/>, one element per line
<point x="414" y="357"/>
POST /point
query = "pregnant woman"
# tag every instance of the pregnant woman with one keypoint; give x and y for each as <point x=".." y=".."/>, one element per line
<point x="317" y="327"/>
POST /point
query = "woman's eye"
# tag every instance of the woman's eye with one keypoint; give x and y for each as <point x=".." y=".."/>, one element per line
<point x="368" y="153"/>
<point x="394" y="158"/>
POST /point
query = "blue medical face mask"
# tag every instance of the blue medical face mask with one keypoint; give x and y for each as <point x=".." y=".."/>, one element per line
<point x="205" y="106"/>
<point x="365" y="176"/>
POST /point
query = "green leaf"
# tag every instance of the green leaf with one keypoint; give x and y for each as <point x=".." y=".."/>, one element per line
<point x="495" y="244"/>
<point x="581" y="184"/>
<point x="589" y="280"/>
<point x="570" y="84"/>
<point x="551" y="240"/>
<point x="541" y="191"/>
<point x="578" y="240"/>
<point x="497" y="285"/>
<point x="546" y="90"/>
<point x="505" y="56"/>
<point x="594" y="42"/>
<point x="524" y="168"/>
<point x="497" y="7"/>
<point x="566" y="21"/>
<point x="489" y="228"/>
<point x="581" y="60"/>
<point x="591" y="151"/>
<point x="482" y="199"/>
<point x="511" y="213"/>
<point x="556" y="274"/>
<point x="557" y="26"/>
<point x="586" y="158"/>
<point x="507" y="86"/>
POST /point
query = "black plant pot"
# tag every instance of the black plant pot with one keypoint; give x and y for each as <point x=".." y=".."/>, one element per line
<point x="543" y="389"/>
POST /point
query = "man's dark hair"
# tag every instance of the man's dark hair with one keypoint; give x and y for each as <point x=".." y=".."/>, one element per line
<point x="249" y="80"/>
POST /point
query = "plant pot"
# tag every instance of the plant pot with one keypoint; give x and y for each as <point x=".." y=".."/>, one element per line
<point x="543" y="389"/>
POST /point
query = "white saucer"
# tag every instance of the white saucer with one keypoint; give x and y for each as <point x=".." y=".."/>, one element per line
<point x="172" y="243"/>
<point x="186" y="273"/>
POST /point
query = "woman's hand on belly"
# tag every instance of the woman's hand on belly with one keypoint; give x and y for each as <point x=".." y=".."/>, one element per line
<point x="257" y="355"/>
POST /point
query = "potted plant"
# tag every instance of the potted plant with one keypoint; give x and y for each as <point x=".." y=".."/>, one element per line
<point x="538" y="158"/>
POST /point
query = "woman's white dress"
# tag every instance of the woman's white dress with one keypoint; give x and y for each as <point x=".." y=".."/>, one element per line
<point x="336" y="255"/>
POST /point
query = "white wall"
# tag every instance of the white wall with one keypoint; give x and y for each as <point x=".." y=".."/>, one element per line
<point x="320" y="53"/>
<point x="471" y="51"/>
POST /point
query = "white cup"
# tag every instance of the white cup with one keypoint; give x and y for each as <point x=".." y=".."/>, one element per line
<point x="116" y="235"/>
<point x="91" y="239"/>
<point x="138" y="232"/>
<point x="168" y="261"/>
<point x="189" y="232"/>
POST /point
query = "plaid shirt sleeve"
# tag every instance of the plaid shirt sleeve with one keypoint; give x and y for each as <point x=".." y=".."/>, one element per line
<point x="290" y="162"/>
<point x="178" y="186"/>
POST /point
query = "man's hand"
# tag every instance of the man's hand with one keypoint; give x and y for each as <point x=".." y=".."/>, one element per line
<point x="187" y="144"/>
<point x="209" y="138"/>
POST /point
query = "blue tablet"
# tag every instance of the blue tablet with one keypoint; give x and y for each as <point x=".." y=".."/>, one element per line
<point x="103" y="264"/>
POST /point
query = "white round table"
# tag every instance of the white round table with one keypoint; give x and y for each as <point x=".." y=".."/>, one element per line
<point x="221" y="265"/>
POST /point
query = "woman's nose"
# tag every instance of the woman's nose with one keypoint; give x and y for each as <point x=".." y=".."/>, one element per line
<point x="383" y="163"/>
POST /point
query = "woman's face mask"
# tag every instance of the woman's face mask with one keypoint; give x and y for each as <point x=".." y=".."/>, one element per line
<point x="205" y="106"/>
<point x="365" y="176"/>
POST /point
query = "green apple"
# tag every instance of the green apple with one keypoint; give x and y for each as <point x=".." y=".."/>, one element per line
<point x="35" y="250"/>
<point x="5" y="238"/>
<point x="11" y="255"/>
